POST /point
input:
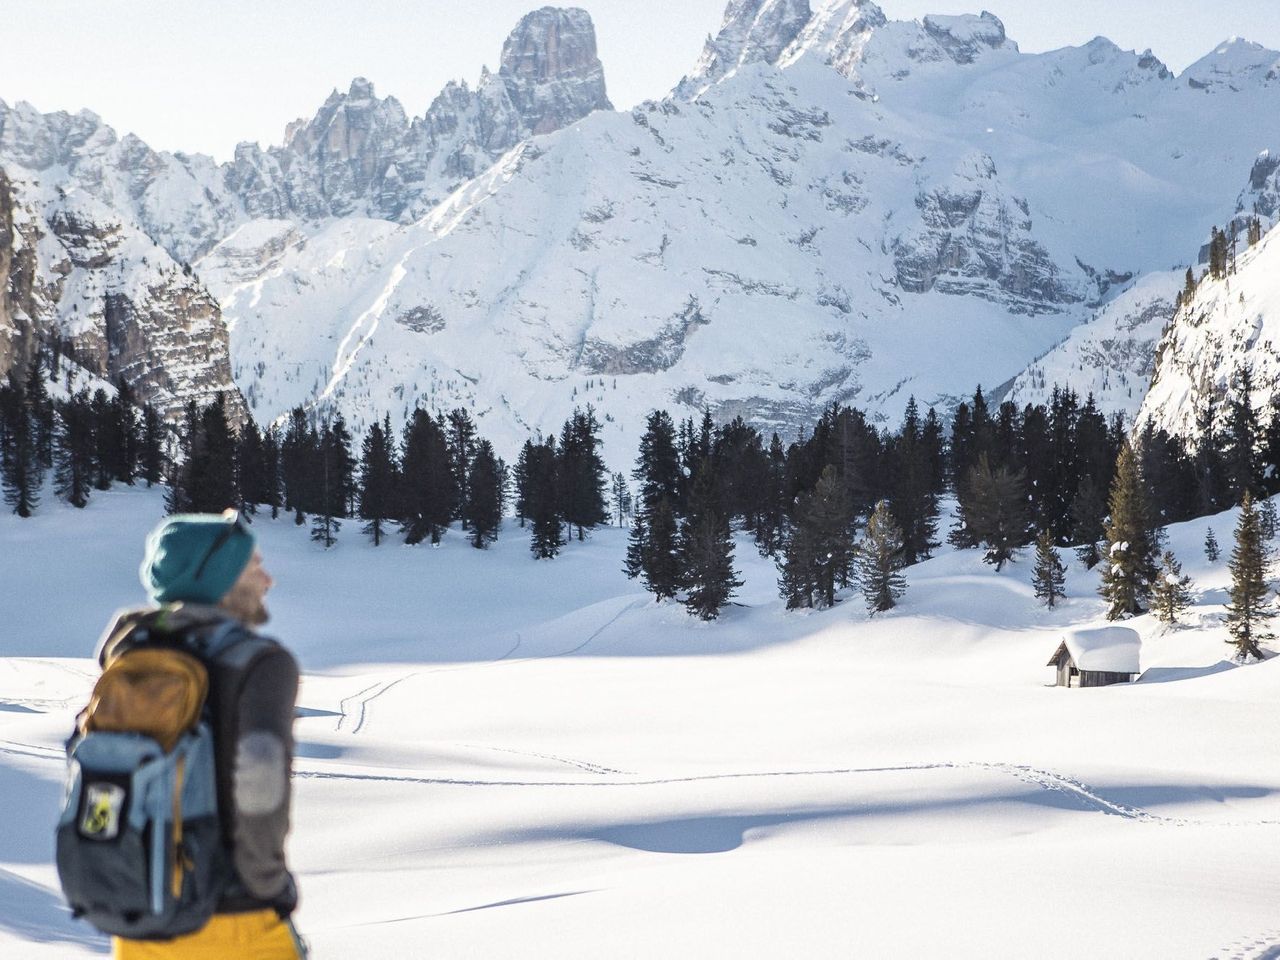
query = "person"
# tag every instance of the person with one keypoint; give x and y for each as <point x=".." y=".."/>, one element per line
<point x="205" y="573"/>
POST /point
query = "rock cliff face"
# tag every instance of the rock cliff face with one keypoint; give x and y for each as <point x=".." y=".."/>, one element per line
<point x="972" y="239"/>
<point x="75" y="271"/>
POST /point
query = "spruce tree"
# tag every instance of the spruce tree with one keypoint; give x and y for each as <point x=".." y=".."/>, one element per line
<point x="771" y="523"/>
<point x="1171" y="593"/>
<point x="620" y="497"/>
<point x="428" y="491"/>
<point x="378" y="481"/>
<point x="542" y="500"/>
<point x="151" y="453"/>
<point x="1131" y="543"/>
<point x="1088" y="514"/>
<point x="706" y="548"/>
<point x="19" y="452"/>
<point x="1248" y="610"/>
<point x="210" y="467"/>
<point x="484" y="491"/>
<point x="660" y="563"/>
<point x="1240" y="462"/>
<point x="658" y="464"/>
<point x="581" y="473"/>
<point x="880" y="561"/>
<point x="1049" y="577"/>
<point x="461" y="432"/>
<point x="994" y="507"/>
<point x="914" y="504"/>
<point x="633" y="566"/>
<point x="1268" y="519"/>
<point x="73" y="450"/>
<point x="250" y="468"/>
<point x="1211" y="550"/>
<point x="41" y="410"/>
<point x="105" y="439"/>
<point x="271" y="481"/>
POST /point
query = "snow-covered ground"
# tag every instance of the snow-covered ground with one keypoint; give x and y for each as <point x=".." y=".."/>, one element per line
<point x="499" y="757"/>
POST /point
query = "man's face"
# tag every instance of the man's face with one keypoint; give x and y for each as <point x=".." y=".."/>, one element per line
<point x="245" y="599"/>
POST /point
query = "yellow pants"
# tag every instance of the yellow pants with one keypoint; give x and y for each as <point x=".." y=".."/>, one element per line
<point x="257" y="935"/>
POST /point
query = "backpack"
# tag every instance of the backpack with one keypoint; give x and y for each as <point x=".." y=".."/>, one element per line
<point x="140" y="846"/>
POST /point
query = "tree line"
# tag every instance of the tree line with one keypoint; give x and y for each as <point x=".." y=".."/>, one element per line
<point x="849" y="503"/>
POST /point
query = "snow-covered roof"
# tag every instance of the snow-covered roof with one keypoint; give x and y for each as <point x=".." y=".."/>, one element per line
<point x="1104" y="649"/>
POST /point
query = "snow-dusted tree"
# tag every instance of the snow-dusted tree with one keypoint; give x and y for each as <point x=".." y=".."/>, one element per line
<point x="1171" y="593"/>
<point x="20" y="464"/>
<point x="1248" y="610"/>
<point x="620" y="495"/>
<point x="1129" y="562"/>
<point x="880" y="561"/>
<point x="1211" y="549"/>
<point x="1049" y="577"/>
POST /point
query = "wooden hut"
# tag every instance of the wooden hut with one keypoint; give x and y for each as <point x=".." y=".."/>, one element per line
<point x="1097" y="657"/>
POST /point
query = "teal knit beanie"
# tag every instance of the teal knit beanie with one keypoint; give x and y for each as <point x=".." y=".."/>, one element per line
<point x="195" y="557"/>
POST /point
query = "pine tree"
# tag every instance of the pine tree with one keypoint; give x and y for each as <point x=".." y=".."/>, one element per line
<point x="1211" y="550"/>
<point x="636" y="545"/>
<point x="705" y="548"/>
<point x="428" y="491"/>
<point x="1242" y="469"/>
<point x="250" y="468"/>
<point x="1050" y="576"/>
<point x="994" y="507"/>
<point x="660" y="564"/>
<point x="1129" y="562"/>
<point x="151" y="453"/>
<point x="1189" y="286"/>
<point x="19" y="451"/>
<point x="271" y="480"/>
<point x="914" y="504"/>
<point x="484" y="491"/>
<point x="73" y="451"/>
<point x="1268" y="520"/>
<point x="796" y="567"/>
<point x="542" y="500"/>
<point x="771" y="523"/>
<point x="41" y="410"/>
<point x="104" y="439"/>
<point x="880" y="561"/>
<point x="126" y="438"/>
<point x="581" y="473"/>
<point x="210" y="466"/>
<point x="333" y="480"/>
<point x="1248" y="610"/>
<point x="378" y="481"/>
<point x="620" y="496"/>
<point x="1088" y="514"/>
<point x="1171" y="593"/>
<point x="658" y="463"/>
<point x="296" y="455"/>
<point x="462" y="447"/>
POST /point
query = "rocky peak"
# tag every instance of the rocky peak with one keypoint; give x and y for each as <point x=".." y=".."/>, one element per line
<point x="965" y="38"/>
<point x="1261" y="198"/>
<point x="1233" y="64"/>
<point x="753" y="31"/>
<point x="551" y="70"/>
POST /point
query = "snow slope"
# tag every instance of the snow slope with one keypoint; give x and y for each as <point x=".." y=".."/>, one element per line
<point x="499" y="757"/>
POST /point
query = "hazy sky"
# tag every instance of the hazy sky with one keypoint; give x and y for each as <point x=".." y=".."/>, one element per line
<point x="202" y="76"/>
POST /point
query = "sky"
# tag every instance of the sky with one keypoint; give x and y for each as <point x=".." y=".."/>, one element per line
<point x="200" y="76"/>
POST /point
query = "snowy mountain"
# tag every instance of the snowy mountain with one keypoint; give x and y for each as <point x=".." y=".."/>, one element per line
<point x="1230" y="324"/>
<point x="73" y="270"/>
<point x="831" y="206"/>
<point x="358" y="154"/>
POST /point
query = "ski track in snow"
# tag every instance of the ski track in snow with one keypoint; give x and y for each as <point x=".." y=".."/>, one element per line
<point x="1044" y="779"/>
<point x="379" y="688"/>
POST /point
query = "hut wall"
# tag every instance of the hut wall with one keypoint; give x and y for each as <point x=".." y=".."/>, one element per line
<point x="1098" y="678"/>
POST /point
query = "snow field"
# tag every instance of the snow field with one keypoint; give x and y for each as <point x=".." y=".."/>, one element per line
<point x="499" y="757"/>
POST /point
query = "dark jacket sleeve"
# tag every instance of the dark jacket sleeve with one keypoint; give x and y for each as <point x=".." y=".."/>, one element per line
<point x="262" y="764"/>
